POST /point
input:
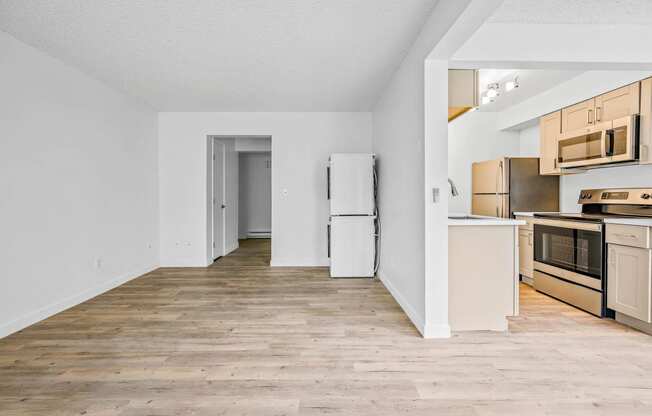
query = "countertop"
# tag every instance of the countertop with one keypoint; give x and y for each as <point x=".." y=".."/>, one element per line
<point x="531" y="214"/>
<point x="645" y="222"/>
<point x="471" y="220"/>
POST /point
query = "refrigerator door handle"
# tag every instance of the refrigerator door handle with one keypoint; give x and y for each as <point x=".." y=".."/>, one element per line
<point x="328" y="233"/>
<point x="497" y="188"/>
<point x="328" y="182"/>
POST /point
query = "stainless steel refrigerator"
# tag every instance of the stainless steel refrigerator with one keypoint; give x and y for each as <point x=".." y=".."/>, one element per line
<point x="512" y="184"/>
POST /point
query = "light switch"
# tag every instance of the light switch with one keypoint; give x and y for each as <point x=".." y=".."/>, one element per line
<point x="435" y="195"/>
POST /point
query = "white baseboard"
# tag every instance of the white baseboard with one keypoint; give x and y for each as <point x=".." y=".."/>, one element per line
<point x="417" y="320"/>
<point x="40" y="314"/>
<point x="437" y="331"/>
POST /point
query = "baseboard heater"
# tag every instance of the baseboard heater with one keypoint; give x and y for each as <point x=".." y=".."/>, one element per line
<point x="259" y="234"/>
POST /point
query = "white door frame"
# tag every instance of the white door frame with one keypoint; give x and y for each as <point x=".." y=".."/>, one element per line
<point x="211" y="139"/>
<point x="215" y="254"/>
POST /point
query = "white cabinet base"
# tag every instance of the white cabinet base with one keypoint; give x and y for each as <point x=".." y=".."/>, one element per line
<point x="352" y="246"/>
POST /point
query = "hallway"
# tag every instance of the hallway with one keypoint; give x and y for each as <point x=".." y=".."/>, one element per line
<point x="241" y="338"/>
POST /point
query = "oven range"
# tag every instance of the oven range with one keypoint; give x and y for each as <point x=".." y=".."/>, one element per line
<point x="570" y="258"/>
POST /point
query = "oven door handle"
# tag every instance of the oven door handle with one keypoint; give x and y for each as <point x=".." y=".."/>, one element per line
<point x="575" y="225"/>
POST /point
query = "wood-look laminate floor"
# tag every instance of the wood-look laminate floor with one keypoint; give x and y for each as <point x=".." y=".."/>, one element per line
<point x="240" y="338"/>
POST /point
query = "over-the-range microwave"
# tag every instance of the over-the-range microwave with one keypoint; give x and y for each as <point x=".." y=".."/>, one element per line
<point x="603" y="143"/>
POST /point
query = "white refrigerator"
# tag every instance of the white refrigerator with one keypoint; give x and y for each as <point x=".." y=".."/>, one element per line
<point x="353" y="227"/>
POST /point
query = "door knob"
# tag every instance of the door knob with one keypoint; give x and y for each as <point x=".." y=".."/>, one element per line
<point x="223" y="206"/>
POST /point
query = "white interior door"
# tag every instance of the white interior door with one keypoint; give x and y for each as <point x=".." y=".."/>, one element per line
<point x="219" y="203"/>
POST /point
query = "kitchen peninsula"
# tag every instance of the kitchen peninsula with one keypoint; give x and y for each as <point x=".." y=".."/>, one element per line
<point x="482" y="272"/>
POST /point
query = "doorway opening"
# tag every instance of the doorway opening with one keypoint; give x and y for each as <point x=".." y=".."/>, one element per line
<point x="255" y="198"/>
<point x="239" y="193"/>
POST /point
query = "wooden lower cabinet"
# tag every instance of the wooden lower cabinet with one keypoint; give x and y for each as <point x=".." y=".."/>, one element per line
<point x="526" y="249"/>
<point x="526" y="253"/>
<point x="629" y="281"/>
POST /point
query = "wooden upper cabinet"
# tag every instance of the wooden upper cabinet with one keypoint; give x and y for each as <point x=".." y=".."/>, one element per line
<point x="617" y="103"/>
<point x="549" y="129"/>
<point x="605" y="107"/>
<point x="578" y="116"/>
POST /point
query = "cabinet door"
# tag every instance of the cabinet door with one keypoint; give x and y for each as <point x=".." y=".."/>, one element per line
<point x="578" y="116"/>
<point x="617" y="103"/>
<point x="629" y="281"/>
<point x="549" y="129"/>
<point x="526" y="253"/>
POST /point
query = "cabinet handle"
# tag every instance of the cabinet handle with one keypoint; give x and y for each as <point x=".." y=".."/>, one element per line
<point x="625" y="235"/>
<point x="597" y="113"/>
<point x="588" y="117"/>
<point x="529" y="239"/>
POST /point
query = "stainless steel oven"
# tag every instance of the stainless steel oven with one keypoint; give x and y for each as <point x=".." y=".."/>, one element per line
<point x="569" y="248"/>
<point x="569" y="261"/>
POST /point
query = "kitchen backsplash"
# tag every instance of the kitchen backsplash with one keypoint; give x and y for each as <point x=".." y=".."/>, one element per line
<point x="612" y="177"/>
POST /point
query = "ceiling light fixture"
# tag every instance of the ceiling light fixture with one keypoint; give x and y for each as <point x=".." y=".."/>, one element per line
<point x="510" y="85"/>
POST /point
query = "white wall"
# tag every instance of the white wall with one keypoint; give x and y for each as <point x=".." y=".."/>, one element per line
<point x="253" y="144"/>
<point x="78" y="173"/>
<point x="255" y="193"/>
<point x="410" y="139"/>
<point x="515" y="43"/>
<point x="613" y="177"/>
<point x="301" y="144"/>
<point x="474" y="137"/>
<point x="529" y="141"/>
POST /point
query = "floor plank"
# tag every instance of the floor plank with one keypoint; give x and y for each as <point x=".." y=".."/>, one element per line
<point x="241" y="338"/>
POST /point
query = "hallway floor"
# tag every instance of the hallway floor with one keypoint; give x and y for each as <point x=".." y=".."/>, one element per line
<point x="241" y="338"/>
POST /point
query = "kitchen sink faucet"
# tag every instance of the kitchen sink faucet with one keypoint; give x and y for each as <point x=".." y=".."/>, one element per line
<point x="453" y="188"/>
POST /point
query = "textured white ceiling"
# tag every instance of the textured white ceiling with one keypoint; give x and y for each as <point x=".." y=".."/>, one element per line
<point x="228" y="55"/>
<point x="574" y="11"/>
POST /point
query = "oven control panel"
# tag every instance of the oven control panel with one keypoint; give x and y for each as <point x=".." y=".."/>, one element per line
<point x="638" y="196"/>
